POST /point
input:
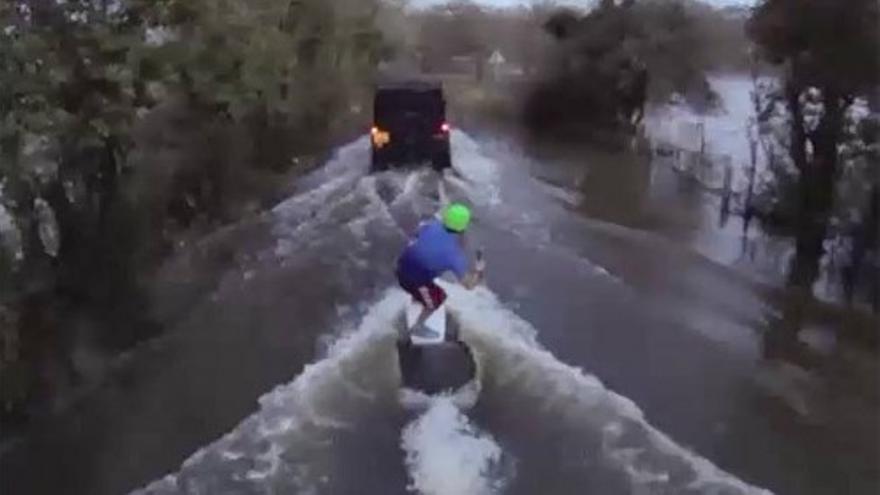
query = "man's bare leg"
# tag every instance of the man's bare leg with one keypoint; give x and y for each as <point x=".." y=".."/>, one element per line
<point x="427" y="308"/>
<point x="423" y="316"/>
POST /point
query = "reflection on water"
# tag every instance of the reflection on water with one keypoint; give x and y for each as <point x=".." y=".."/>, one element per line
<point x="617" y="188"/>
<point x="780" y="338"/>
<point x="648" y="193"/>
<point x="816" y="372"/>
<point x="820" y="364"/>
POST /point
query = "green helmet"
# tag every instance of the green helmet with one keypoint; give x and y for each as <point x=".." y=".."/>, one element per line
<point x="457" y="217"/>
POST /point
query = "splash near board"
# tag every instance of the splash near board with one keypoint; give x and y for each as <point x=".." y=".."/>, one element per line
<point x="435" y="361"/>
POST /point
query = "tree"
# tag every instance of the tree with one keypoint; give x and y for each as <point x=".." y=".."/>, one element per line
<point x="70" y="82"/>
<point x="829" y="52"/>
<point x="450" y="30"/>
<point x="608" y="63"/>
<point x="84" y="200"/>
<point x="599" y="80"/>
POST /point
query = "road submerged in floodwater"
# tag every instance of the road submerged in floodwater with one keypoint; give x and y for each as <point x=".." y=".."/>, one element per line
<point x="613" y="359"/>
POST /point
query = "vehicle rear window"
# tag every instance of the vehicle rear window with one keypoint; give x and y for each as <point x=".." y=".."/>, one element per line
<point x="395" y="102"/>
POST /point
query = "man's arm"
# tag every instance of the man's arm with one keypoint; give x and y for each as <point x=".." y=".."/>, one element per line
<point x="472" y="279"/>
<point x="475" y="276"/>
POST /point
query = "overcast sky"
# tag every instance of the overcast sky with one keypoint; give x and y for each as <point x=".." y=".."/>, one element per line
<point x="508" y="3"/>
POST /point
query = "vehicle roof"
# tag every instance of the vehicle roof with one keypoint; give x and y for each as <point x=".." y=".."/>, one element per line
<point x="409" y="86"/>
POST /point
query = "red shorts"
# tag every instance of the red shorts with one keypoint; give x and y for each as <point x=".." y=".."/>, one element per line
<point x="430" y="295"/>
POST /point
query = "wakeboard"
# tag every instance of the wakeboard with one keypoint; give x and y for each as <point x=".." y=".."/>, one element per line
<point x="435" y="361"/>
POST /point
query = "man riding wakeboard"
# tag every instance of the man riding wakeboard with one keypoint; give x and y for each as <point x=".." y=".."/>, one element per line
<point x="437" y="248"/>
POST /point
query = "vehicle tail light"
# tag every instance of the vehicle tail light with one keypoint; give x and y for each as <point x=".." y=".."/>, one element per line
<point x="379" y="137"/>
<point x="445" y="127"/>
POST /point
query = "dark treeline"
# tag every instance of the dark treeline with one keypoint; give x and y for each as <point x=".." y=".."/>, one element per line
<point x="574" y="69"/>
<point x="123" y="125"/>
<point x="608" y="63"/>
<point x="460" y="36"/>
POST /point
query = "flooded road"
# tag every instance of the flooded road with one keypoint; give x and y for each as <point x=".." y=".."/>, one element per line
<point x="613" y="357"/>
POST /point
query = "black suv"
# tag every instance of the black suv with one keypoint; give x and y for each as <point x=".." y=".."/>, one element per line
<point x="409" y="125"/>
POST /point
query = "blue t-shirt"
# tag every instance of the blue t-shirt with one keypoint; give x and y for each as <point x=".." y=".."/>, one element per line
<point x="431" y="253"/>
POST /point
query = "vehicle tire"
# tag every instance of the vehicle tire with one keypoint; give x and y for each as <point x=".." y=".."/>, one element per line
<point x="379" y="162"/>
<point x="441" y="161"/>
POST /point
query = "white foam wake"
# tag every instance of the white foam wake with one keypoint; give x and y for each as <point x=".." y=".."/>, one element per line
<point x="281" y="445"/>
<point x="506" y="346"/>
<point x="447" y="455"/>
<point x="347" y="167"/>
<point x="479" y="173"/>
<point x="277" y="446"/>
